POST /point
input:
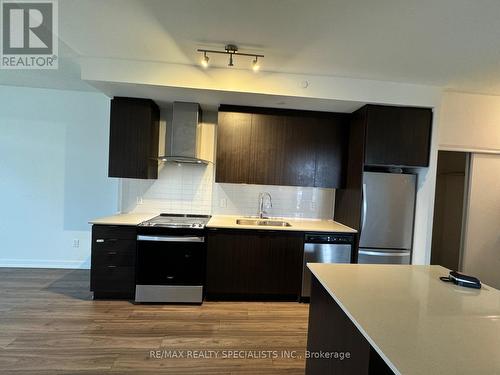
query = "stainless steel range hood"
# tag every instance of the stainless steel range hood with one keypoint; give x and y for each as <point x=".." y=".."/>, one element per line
<point x="182" y="140"/>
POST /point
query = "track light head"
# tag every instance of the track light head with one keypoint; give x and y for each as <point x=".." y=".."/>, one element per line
<point x="204" y="60"/>
<point x="255" y="64"/>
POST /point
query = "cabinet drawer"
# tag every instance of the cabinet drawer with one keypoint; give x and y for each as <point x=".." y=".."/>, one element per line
<point x="109" y="257"/>
<point x="111" y="232"/>
<point x="113" y="244"/>
<point x="113" y="279"/>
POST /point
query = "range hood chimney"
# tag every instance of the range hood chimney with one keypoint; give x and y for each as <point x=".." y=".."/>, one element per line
<point x="182" y="143"/>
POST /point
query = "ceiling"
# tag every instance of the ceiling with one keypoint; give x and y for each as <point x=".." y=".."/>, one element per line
<point x="447" y="43"/>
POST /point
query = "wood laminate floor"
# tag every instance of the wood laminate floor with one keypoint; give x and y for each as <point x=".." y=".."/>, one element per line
<point x="49" y="324"/>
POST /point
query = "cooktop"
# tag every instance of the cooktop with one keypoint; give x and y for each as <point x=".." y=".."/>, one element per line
<point x="177" y="221"/>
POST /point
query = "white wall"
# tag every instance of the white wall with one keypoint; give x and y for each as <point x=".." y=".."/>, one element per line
<point x="470" y="122"/>
<point x="53" y="175"/>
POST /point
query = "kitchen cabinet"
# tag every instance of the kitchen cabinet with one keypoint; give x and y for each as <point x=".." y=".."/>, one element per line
<point x="113" y="261"/>
<point x="254" y="264"/>
<point x="133" y="138"/>
<point x="397" y="136"/>
<point x="267" y="146"/>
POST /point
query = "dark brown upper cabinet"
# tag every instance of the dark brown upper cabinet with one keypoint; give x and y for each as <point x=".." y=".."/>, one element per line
<point x="133" y="138"/>
<point x="268" y="146"/>
<point x="233" y="147"/>
<point x="397" y="136"/>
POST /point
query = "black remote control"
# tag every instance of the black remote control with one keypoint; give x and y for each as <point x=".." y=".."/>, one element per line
<point x="462" y="280"/>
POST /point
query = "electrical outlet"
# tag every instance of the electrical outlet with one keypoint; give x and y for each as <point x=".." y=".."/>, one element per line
<point x="313" y="205"/>
<point x="76" y="243"/>
<point x="223" y="203"/>
<point x="139" y="200"/>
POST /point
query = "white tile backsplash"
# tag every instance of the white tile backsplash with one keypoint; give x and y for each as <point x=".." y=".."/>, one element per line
<point x="180" y="188"/>
<point x="185" y="188"/>
<point x="288" y="201"/>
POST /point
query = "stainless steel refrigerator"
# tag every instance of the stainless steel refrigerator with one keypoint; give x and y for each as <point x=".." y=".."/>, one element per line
<point x="387" y="216"/>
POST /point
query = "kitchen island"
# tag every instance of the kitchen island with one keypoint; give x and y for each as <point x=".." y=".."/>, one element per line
<point x="395" y="319"/>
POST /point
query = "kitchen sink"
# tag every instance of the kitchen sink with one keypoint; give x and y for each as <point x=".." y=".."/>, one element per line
<point x="261" y="222"/>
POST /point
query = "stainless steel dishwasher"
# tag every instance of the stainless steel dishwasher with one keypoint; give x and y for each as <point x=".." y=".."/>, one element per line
<point x="324" y="248"/>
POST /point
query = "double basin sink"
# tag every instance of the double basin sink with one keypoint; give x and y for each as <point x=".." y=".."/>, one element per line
<point x="263" y="222"/>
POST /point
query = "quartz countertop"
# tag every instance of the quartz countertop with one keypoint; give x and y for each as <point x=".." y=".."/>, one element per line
<point x="229" y="222"/>
<point x="300" y="225"/>
<point x="417" y="323"/>
<point x="123" y="219"/>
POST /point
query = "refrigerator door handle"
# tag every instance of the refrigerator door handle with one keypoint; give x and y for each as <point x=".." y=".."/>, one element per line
<point x="364" y="204"/>
<point x="384" y="253"/>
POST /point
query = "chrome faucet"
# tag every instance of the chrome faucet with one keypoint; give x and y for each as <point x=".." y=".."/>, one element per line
<point x="262" y="198"/>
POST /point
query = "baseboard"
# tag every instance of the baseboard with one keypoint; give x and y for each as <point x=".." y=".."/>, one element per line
<point x="42" y="263"/>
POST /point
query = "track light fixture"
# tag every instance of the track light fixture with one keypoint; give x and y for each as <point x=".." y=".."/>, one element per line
<point x="231" y="50"/>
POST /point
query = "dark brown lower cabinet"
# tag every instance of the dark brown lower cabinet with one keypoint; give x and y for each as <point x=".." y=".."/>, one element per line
<point x="113" y="261"/>
<point x="254" y="264"/>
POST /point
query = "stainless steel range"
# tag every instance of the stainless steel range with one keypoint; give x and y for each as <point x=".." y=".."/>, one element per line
<point x="171" y="259"/>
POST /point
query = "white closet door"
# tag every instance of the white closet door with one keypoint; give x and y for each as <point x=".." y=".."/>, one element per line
<point x="481" y="256"/>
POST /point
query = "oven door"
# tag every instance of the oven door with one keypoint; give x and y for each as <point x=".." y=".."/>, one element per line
<point x="170" y="268"/>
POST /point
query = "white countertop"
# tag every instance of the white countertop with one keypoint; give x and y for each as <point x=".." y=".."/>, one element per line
<point x="417" y="323"/>
<point x="229" y="222"/>
<point x="301" y="225"/>
<point x="123" y="219"/>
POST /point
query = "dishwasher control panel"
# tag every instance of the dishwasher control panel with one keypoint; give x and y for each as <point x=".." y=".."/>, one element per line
<point x="329" y="238"/>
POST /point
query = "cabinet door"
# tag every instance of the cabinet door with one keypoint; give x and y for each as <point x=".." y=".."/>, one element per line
<point x="398" y="136"/>
<point x="133" y="138"/>
<point x="417" y="143"/>
<point x="254" y="264"/>
<point x="331" y="151"/>
<point x="300" y="151"/>
<point x="233" y="147"/>
<point x="268" y="154"/>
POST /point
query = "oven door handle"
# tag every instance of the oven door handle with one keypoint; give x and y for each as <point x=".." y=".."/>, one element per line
<point x="171" y="238"/>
